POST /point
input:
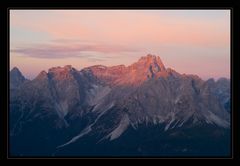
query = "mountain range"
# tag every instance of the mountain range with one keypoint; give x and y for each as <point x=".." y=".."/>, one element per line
<point x="143" y="109"/>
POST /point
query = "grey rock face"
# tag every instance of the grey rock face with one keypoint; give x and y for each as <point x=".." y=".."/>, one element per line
<point x="105" y="102"/>
<point x="16" y="78"/>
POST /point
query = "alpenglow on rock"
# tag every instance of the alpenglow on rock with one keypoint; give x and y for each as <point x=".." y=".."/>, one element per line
<point x="140" y="109"/>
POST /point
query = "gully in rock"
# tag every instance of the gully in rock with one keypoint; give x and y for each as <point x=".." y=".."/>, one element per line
<point x="143" y="109"/>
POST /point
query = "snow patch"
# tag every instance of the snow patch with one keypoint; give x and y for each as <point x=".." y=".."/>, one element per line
<point x="105" y="108"/>
<point x="172" y="115"/>
<point x="215" y="119"/>
<point x="175" y="124"/>
<point x="154" y="120"/>
<point x="84" y="132"/>
<point x="134" y="125"/>
<point x="124" y="123"/>
<point x="185" y="119"/>
<point x="180" y="125"/>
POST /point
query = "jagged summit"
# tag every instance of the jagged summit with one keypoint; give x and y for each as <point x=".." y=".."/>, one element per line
<point x="100" y="107"/>
<point x="16" y="72"/>
<point x="61" y="73"/>
<point x="145" y="68"/>
<point x="42" y="75"/>
<point x="16" y="78"/>
<point x="152" y="60"/>
<point x="68" y="67"/>
<point x="222" y="79"/>
<point x="15" y="69"/>
<point x="58" y="68"/>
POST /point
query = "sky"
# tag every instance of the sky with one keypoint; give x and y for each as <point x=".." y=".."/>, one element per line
<point x="188" y="41"/>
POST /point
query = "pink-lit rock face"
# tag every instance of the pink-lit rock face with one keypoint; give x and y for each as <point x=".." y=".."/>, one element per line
<point x="151" y="60"/>
<point x="103" y="85"/>
<point x="61" y="72"/>
<point x="42" y="75"/>
<point x="147" y="67"/>
<point x="107" y="74"/>
<point x="107" y="101"/>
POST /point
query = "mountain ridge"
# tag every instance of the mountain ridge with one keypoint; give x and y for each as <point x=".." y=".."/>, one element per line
<point x="103" y="103"/>
<point x="142" y="58"/>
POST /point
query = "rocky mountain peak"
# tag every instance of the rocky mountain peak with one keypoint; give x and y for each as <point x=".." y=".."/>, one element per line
<point x="16" y="77"/>
<point x="60" y="69"/>
<point x="68" y="67"/>
<point x="15" y="69"/>
<point x="146" y="67"/>
<point x="152" y="61"/>
<point x="42" y="75"/>
<point x="16" y="72"/>
<point x="61" y="73"/>
<point x="223" y="80"/>
<point x="119" y="103"/>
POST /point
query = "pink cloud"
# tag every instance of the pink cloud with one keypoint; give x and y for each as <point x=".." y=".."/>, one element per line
<point x="61" y="50"/>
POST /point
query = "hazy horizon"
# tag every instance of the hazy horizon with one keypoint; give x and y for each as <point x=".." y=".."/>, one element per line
<point x="188" y="41"/>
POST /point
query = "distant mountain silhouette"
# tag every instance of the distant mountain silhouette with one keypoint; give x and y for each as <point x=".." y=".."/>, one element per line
<point x="16" y="78"/>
